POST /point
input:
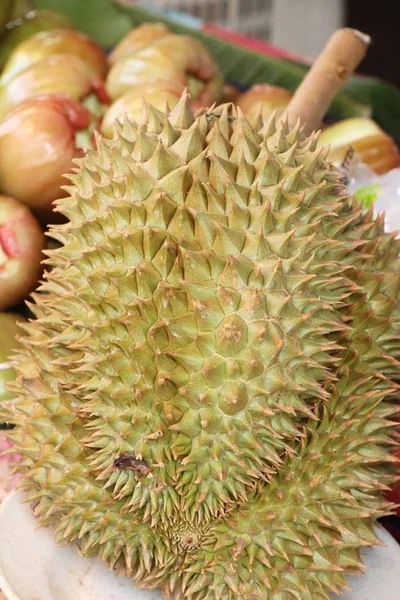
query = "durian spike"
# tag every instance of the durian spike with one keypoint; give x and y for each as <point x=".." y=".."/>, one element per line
<point x="337" y="62"/>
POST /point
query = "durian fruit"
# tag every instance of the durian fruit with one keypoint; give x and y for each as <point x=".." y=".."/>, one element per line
<point x="159" y="93"/>
<point x="206" y="398"/>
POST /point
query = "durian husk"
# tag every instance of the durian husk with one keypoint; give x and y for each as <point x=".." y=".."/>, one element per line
<point x="161" y="94"/>
<point x="205" y="400"/>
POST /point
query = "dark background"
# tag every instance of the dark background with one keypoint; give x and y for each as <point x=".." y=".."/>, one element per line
<point x="381" y="20"/>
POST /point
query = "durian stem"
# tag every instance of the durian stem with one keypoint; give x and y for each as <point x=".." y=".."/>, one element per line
<point x="337" y="62"/>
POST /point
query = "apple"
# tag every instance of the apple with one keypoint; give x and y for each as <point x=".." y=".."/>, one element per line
<point x="37" y="148"/>
<point x="137" y="38"/>
<point x="57" y="74"/>
<point x="158" y="93"/>
<point x="265" y="98"/>
<point x="21" y="244"/>
<point x="49" y="43"/>
<point x="371" y="144"/>
<point x="24" y="27"/>
<point x="230" y="93"/>
<point x="177" y="58"/>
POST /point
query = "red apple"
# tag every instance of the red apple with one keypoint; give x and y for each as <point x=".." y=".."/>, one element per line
<point x="264" y="97"/>
<point x="158" y="93"/>
<point x="21" y="244"/>
<point x="21" y="28"/>
<point x="50" y="43"/>
<point x="58" y="74"/>
<point x="178" y="58"/>
<point x="37" y="148"/>
<point x="137" y="38"/>
<point x="229" y="93"/>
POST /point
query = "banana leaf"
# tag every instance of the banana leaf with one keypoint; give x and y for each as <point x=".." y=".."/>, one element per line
<point x="382" y="96"/>
<point x="5" y="13"/>
<point x="102" y="20"/>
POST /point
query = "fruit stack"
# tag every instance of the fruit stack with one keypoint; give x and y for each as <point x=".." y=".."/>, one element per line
<point x="57" y="87"/>
<point x="206" y="392"/>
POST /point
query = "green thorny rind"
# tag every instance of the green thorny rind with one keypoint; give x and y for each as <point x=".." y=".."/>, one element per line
<point x="223" y="315"/>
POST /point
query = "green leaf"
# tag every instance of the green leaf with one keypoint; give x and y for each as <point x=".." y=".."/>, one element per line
<point x="21" y="8"/>
<point x="367" y="194"/>
<point x="5" y="12"/>
<point x="382" y="96"/>
<point x="102" y="20"/>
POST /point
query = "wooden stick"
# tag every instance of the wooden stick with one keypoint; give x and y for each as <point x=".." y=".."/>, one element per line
<point x="337" y="62"/>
